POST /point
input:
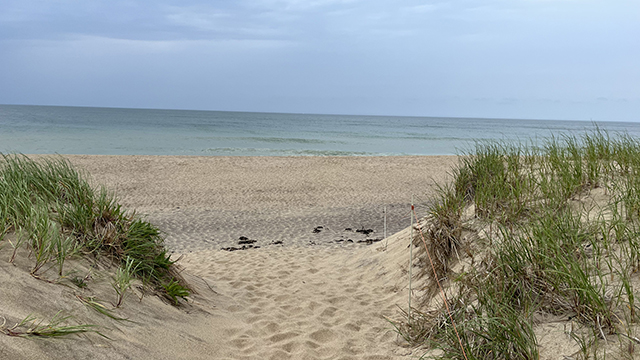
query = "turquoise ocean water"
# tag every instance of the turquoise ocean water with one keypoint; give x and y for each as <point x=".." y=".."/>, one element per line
<point x="114" y="131"/>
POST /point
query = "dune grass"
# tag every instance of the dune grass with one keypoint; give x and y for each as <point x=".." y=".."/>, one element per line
<point x="30" y="326"/>
<point x="50" y="209"/>
<point x="551" y="229"/>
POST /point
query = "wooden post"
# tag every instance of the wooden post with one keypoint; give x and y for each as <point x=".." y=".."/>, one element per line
<point x="386" y="242"/>
<point x="410" y="260"/>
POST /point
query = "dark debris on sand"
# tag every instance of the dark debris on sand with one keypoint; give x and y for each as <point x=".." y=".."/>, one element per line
<point x="248" y="244"/>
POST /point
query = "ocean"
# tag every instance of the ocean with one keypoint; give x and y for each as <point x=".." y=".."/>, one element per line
<point x="115" y="131"/>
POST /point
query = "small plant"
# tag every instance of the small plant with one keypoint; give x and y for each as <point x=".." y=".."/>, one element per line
<point x="16" y="244"/>
<point x="63" y="248"/>
<point x="79" y="282"/>
<point x="44" y="234"/>
<point x="586" y="343"/>
<point x="122" y="280"/>
<point x="175" y="290"/>
<point x="415" y="326"/>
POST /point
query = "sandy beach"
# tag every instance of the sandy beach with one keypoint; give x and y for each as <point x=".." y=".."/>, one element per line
<point x="210" y="202"/>
<point x="308" y="289"/>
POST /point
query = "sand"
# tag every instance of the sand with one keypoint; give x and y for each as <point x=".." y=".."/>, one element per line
<point x="210" y="202"/>
<point x="307" y="290"/>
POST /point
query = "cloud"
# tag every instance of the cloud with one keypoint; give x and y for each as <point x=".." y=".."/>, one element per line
<point x="208" y="22"/>
<point x="197" y="17"/>
<point x="94" y="46"/>
<point x="298" y="5"/>
<point x="238" y="52"/>
<point x="423" y="8"/>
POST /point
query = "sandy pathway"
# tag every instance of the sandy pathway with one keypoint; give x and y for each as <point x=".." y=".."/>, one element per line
<point x="310" y="302"/>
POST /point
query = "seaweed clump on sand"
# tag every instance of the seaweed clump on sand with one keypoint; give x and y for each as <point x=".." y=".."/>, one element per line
<point x="525" y="233"/>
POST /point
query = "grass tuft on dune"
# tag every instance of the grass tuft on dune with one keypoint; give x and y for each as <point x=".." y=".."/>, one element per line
<point x="528" y="232"/>
<point x="50" y="209"/>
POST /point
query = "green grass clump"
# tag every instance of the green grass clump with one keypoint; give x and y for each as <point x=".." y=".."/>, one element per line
<point x="551" y="229"/>
<point x="51" y="209"/>
<point x="176" y="290"/>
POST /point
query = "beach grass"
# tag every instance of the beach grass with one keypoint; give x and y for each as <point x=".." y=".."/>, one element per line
<point x="533" y="229"/>
<point x="51" y="210"/>
<point x="30" y="326"/>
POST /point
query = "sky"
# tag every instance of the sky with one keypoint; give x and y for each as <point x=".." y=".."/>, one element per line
<point x="533" y="59"/>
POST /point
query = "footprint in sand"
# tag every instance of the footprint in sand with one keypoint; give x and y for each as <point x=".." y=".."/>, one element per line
<point x="328" y="312"/>
<point x="352" y="327"/>
<point x="271" y="327"/>
<point x="323" y="336"/>
<point x="241" y="343"/>
<point x="291" y="346"/>
<point x="283" y="336"/>
<point x="311" y="345"/>
<point x="314" y="305"/>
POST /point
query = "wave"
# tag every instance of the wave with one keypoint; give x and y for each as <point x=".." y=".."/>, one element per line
<point x="274" y="140"/>
<point x="278" y="140"/>
<point x="288" y="152"/>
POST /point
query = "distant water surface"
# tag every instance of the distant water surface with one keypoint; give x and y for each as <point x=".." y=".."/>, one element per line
<point x="114" y="131"/>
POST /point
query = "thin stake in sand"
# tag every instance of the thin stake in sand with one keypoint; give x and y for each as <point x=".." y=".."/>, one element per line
<point x="384" y="212"/>
<point x="410" y="258"/>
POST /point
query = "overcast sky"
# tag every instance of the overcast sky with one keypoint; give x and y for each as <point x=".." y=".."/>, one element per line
<point x="540" y="59"/>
